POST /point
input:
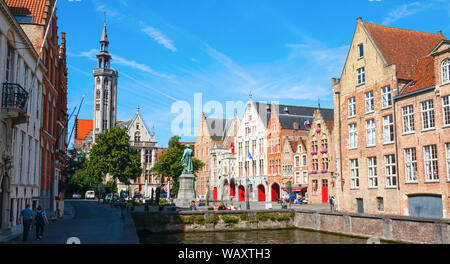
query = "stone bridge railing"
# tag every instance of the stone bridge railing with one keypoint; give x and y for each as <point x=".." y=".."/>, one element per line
<point x="383" y="227"/>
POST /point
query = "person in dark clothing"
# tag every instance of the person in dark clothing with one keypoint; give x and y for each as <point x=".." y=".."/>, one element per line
<point x="41" y="221"/>
<point x="26" y="217"/>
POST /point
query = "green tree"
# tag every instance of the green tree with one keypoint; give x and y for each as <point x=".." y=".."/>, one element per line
<point x="110" y="187"/>
<point x="169" y="163"/>
<point x="111" y="154"/>
<point x="76" y="159"/>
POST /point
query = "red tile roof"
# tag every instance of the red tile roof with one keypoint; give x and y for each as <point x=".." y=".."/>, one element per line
<point x="83" y="127"/>
<point x="33" y="8"/>
<point x="422" y="77"/>
<point x="402" y="47"/>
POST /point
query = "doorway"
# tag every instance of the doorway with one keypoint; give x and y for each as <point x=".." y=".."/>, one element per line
<point x="241" y="194"/>
<point x="261" y="193"/>
<point x="275" y="192"/>
<point x="215" y="194"/>
<point x="425" y="206"/>
<point x="360" y="203"/>
<point x="324" y="191"/>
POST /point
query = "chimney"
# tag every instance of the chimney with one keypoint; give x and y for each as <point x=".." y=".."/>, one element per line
<point x="440" y="32"/>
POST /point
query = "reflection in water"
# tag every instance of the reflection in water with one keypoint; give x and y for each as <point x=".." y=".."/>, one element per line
<point x="283" y="236"/>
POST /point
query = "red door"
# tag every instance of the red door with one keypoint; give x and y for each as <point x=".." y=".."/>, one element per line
<point x="261" y="193"/>
<point x="324" y="191"/>
<point x="215" y="194"/>
<point x="232" y="189"/>
<point x="241" y="194"/>
<point x="275" y="192"/>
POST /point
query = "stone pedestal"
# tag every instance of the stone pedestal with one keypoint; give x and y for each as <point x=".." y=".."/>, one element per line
<point x="186" y="192"/>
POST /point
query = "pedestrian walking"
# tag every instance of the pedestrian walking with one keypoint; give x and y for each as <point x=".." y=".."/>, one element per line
<point x="331" y="202"/>
<point x="41" y="221"/>
<point x="26" y="217"/>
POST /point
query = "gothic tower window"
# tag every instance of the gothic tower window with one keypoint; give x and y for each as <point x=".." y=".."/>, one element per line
<point x="137" y="137"/>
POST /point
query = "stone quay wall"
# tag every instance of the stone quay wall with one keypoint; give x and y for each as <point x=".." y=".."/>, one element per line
<point x="384" y="227"/>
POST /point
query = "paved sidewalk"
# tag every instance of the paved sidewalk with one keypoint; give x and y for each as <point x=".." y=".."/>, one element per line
<point x="89" y="222"/>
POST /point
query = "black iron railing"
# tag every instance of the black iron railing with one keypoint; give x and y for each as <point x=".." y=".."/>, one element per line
<point x="14" y="96"/>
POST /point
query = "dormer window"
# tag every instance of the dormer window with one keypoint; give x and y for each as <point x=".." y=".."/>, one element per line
<point x="446" y="71"/>
<point x="361" y="50"/>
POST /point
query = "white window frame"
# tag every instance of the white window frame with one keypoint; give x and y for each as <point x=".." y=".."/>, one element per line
<point x="445" y="70"/>
<point x="447" y="155"/>
<point x="298" y="179"/>
<point x="428" y="115"/>
<point x="446" y="110"/>
<point x="388" y="129"/>
<point x="386" y="97"/>
<point x="410" y="165"/>
<point x="369" y="102"/>
<point x="297" y="161"/>
<point x="304" y="158"/>
<point x="353" y="136"/>
<point x="360" y="50"/>
<point x="370" y="133"/>
<point x="431" y="163"/>
<point x="390" y="170"/>
<point x="361" y="72"/>
<point x="372" y="172"/>
<point x="408" y="119"/>
<point x="354" y="174"/>
<point x="352" y="107"/>
<point x="305" y="177"/>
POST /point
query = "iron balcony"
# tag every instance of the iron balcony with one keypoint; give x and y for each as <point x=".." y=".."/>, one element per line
<point x="14" y="96"/>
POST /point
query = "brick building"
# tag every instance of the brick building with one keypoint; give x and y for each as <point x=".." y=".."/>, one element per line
<point x="321" y="154"/>
<point x="211" y="132"/>
<point x="294" y="166"/>
<point x="285" y="121"/>
<point x="379" y="63"/>
<point x="422" y="110"/>
<point x="36" y="17"/>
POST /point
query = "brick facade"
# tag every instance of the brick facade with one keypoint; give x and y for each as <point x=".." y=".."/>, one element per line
<point x="368" y="143"/>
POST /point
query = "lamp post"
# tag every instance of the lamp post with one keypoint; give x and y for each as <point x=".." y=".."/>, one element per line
<point x="247" y="194"/>
<point x="207" y="192"/>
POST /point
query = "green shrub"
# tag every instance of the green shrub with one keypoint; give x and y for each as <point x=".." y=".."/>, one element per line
<point x="229" y="219"/>
<point x="213" y="220"/>
<point x="272" y="216"/>
<point x="244" y="217"/>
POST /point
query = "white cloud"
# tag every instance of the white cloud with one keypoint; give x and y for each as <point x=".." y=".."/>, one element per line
<point x="159" y="37"/>
<point x="91" y="54"/>
<point x="404" y="11"/>
<point x="228" y="63"/>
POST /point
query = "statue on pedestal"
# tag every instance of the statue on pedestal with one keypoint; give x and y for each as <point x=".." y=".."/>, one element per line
<point x="186" y="192"/>
<point x="186" y="160"/>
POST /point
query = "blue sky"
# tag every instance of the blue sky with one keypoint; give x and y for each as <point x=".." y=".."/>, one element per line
<point x="167" y="50"/>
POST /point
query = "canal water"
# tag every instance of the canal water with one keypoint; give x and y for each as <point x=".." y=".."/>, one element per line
<point x="282" y="236"/>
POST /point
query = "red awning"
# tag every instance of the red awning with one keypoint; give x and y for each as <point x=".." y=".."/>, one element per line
<point x="296" y="189"/>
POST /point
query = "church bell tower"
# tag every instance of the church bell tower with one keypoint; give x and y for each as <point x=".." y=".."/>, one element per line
<point x="105" y="90"/>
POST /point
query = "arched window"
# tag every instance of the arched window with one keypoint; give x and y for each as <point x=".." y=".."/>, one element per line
<point x="446" y="71"/>
<point x="97" y="94"/>
<point x="137" y="137"/>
